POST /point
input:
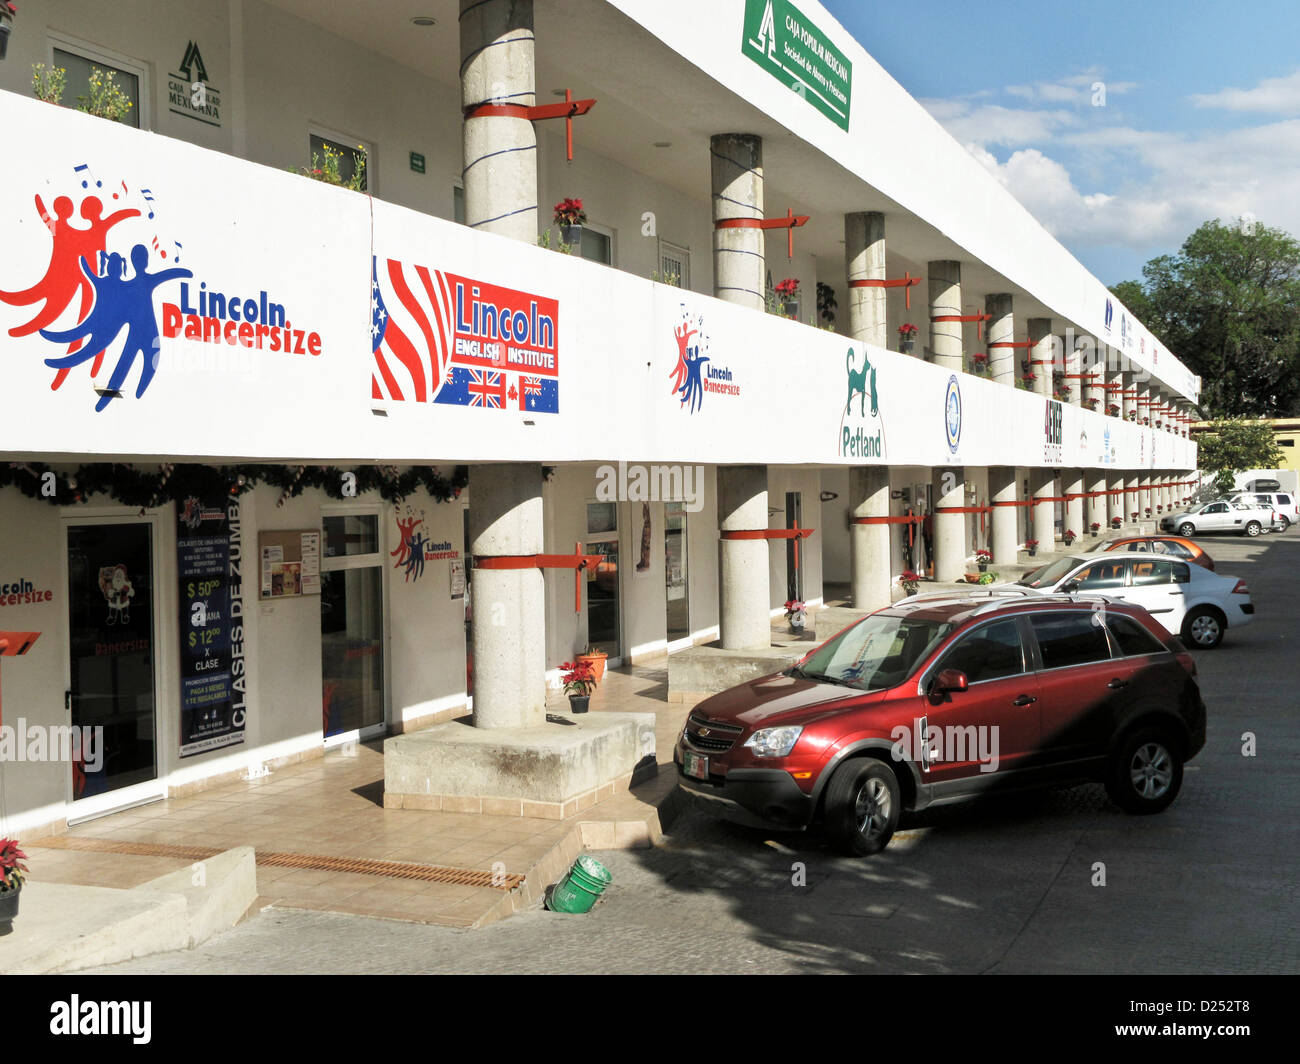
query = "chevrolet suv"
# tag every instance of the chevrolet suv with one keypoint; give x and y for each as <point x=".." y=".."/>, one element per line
<point x="944" y="697"/>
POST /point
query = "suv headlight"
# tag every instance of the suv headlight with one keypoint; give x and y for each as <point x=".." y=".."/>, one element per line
<point x="774" y="742"/>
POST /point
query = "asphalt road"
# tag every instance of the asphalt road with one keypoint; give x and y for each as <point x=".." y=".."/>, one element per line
<point x="1007" y="885"/>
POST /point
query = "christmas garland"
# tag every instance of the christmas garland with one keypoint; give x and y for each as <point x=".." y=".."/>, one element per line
<point x="131" y="486"/>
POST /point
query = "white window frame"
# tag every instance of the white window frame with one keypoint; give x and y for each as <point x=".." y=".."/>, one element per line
<point x="608" y="233"/>
<point x="315" y="129"/>
<point x="97" y="53"/>
<point x="677" y="251"/>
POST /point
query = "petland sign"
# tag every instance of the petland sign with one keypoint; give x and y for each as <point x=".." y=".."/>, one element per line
<point x="797" y="53"/>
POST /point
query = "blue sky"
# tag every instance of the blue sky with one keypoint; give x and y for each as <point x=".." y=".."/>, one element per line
<point x="1200" y="118"/>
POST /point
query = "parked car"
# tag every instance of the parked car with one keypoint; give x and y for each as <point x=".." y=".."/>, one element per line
<point x="1173" y="546"/>
<point x="1220" y="516"/>
<point x="1283" y="503"/>
<point x="1187" y="600"/>
<point x="998" y="690"/>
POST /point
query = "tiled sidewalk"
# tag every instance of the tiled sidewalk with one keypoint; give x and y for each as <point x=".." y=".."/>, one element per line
<point x="333" y="807"/>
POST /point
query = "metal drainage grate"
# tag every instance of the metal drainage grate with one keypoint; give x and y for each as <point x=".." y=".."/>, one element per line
<point x="467" y="877"/>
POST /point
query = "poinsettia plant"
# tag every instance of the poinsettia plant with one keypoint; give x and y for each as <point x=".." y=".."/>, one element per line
<point x="578" y="678"/>
<point x="910" y="580"/>
<point x="794" y="608"/>
<point x="12" y="869"/>
<point x="907" y="330"/>
<point x="569" y="212"/>
<point x="1112" y="409"/>
<point x="788" y="289"/>
<point x="1115" y="522"/>
<point x="1030" y="544"/>
<point x="983" y="555"/>
<point x="1096" y="526"/>
<point x="1069" y="535"/>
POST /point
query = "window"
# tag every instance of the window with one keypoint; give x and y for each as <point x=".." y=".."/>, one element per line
<point x="351" y="535"/>
<point x="1216" y="508"/>
<point x="1066" y="639"/>
<point x="1101" y="574"/>
<point x="1284" y="500"/>
<point x="991" y="652"/>
<point x="1156" y="571"/>
<point x="1131" y="637"/>
<point x="353" y="155"/>
<point x="674" y="265"/>
<point x="79" y="60"/>
<point x="597" y="244"/>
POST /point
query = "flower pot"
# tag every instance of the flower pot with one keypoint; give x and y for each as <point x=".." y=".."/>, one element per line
<point x="597" y="663"/>
<point x="579" y="703"/>
<point x="797" y="621"/>
<point x="9" y="908"/>
<point x="571" y="234"/>
<point x="790" y="307"/>
<point x="1031" y="551"/>
<point x="972" y="578"/>
<point x="983" y="566"/>
<point x="906" y="347"/>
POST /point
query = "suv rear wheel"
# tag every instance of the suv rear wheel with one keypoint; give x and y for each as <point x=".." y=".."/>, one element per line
<point x="863" y="802"/>
<point x="1146" y="772"/>
<point x="1252" y="528"/>
<point x="1283" y="522"/>
<point x="1187" y="529"/>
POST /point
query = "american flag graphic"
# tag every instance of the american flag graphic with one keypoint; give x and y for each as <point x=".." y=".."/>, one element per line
<point x="408" y="330"/>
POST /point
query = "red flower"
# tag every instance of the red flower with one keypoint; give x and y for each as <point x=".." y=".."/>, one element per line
<point x="788" y="288"/>
<point x="907" y="329"/>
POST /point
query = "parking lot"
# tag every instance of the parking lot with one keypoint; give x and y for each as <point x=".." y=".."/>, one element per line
<point x="1060" y="881"/>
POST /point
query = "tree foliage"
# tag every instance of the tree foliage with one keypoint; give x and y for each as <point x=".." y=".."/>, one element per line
<point x="1234" y="445"/>
<point x="1228" y="305"/>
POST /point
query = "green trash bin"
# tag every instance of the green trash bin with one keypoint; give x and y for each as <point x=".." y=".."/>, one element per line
<point x="578" y="890"/>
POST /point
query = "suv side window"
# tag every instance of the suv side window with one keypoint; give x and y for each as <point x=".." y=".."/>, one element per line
<point x="1284" y="500"/>
<point x="1217" y="508"/>
<point x="1102" y="574"/>
<point x="990" y="652"/>
<point x="1069" y="639"/>
<point x="1131" y="636"/>
<point x="1168" y="546"/>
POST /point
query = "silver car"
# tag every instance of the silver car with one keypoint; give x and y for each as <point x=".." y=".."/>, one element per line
<point x="1245" y="518"/>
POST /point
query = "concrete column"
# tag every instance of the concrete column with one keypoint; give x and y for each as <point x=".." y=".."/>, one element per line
<point x="739" y="262"/>
<point x="743" y="587"/>
<point x="1001" y="329"/>
<point x="864" y="260"/>
<point x="1073" y="385"/>
<point x="1092" y="385"/>
<point x="948" y="491"/>
<point x="1040" y="356"/>
<point x="1072" y="484"/>
<point x="1042" y="486"/>
<point x="869" y="544"/>
<point x="1144" y="403"/>
<point x="508" y="626"/>
<point x="945" y="300"/>
<point x="1130" y="399"/>
<point x="1145" y="502"/>
<point x="1114" y="393"/>
<point x="1097" y="510"/>
<point x="1005" y="543"/>
<point x="499" y="153"/>
<point x="1115" y="503"/>
<point x="1132" y="498"/>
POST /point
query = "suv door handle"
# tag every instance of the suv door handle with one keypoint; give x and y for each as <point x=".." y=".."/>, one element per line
<point x="1024" y="700"/>
<point x="1117" y="683"/>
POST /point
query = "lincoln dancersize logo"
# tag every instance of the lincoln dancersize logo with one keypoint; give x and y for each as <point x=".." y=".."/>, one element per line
<point x="695" y="372"/>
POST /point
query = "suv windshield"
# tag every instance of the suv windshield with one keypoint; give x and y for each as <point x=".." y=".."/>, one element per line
<point x="876" y="653"/>
<point x="1048" y="575"/>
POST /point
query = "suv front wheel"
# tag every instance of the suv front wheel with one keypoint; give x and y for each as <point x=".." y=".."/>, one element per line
<point x="1186" y="529"/>
<point x="863" y="802"/>
<point x="1146" y="772"/>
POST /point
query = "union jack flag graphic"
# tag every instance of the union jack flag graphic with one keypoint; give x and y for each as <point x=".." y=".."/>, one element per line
<point x="487" y="388"/>
<point x="409" y="320"/>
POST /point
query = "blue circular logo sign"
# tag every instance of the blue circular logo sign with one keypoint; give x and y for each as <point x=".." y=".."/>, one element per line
<point x="952" y="413"/>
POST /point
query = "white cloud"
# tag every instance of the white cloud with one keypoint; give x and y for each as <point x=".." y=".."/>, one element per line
<point x="1080" y="90"/>
<point x="1272" y="95"/>
<point x="993" y="124"/>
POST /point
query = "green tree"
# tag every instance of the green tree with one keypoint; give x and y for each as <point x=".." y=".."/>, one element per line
<point x="1228" y="305"/>
<point x="1234" y="445"/>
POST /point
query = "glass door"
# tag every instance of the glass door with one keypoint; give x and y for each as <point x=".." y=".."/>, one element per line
<point x="112" y="657"/>
<point x="353" y="702"/>
<point x="793" y="570"/>
<point x="602" y="582"/>
<point x="676" y="575"/>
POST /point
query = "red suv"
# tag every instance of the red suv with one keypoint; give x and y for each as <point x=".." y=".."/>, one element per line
<point x="945" y="697"/>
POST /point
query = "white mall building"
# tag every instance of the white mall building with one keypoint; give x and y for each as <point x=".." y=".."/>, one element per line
<point x="261" y="433"/>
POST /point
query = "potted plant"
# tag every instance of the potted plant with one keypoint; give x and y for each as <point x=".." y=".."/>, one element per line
<point x="981" y="361"/>
<point x="1112" y="409"/>
<point x="104" y="97"/>
<point x="1096" y="527"/>
<point x="796" y="613"/>
<point x="906" y="338"/>
<point x="910" y="581"/>
<point x="569" y="216"/>
<point x="48" y="84"/>
<point x="1134" y="515"/>
<point x="986" y="579"/>
<point x="594" y="658"/>
<point x="972" y="578"/>
<point x="1031" y="545"/>
<point x="579" y="682"/>
<point x="1147" y="510"/>
<point x="787" y="291"/>
<point x="982" y="559"/>
<point x="1069" y="535"/>
<point x="1091" y="404"/>
<point x="1115" y="522"/>
<point x="12" y="873"/>
<point x="1028" y="381"/>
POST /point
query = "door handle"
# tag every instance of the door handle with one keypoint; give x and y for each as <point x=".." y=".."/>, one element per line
<point x="1024" y="700"/>
<point x="1117" y="683"/>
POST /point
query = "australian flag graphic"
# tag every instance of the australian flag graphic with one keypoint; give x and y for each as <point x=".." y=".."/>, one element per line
<point x="499" y="390"/>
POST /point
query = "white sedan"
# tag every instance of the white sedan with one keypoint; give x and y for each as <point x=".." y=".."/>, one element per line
<point x="1188" y="600"/>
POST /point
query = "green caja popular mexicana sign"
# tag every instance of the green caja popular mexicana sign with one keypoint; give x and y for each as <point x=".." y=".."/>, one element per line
<point x="797" y="53"/>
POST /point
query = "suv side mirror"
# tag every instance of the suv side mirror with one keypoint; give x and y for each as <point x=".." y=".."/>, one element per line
<point x="947" y="680"/>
